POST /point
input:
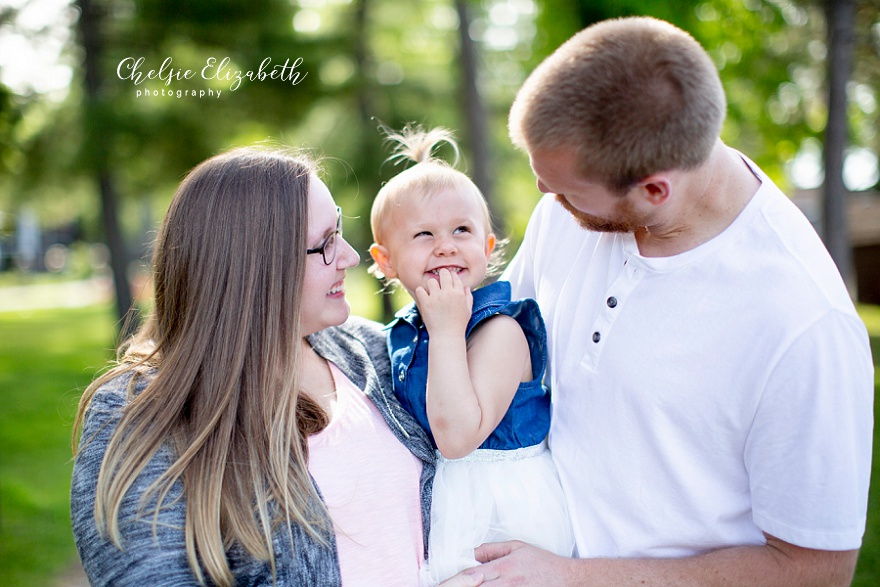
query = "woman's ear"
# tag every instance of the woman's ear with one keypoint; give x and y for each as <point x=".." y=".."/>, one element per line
<point x="380" y="255"/>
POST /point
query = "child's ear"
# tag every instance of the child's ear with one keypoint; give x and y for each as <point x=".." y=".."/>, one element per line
<point x="490" y="244"/>
<point x="380" y="255"/>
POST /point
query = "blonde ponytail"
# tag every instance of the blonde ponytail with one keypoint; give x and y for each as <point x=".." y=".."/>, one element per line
<point x="417" y="145"/>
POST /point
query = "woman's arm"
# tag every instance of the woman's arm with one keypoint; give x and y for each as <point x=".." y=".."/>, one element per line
<point x="145" y="559"/>
<point x="471" y="382"/>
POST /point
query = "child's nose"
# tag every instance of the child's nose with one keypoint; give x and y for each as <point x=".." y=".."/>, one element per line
<point x="445" y="246"/>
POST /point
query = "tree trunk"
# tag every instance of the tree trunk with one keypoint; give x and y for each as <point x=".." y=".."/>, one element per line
<point x="840" y="17"/>
<point x="369" y="133"/>
<point x="475" y="115"/>
<point x="96" y="154"/>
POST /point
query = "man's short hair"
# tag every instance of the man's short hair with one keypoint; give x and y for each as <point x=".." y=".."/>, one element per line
<point x="632" y="97"/>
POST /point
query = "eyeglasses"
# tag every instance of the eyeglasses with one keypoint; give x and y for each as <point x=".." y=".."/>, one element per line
<point x="328" y="247"/>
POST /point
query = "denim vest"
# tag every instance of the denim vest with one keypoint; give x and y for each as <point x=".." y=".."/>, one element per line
<point x="527" y="421"/>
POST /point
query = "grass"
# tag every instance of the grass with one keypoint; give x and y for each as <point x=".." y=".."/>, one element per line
<point x="868" y="569"/>
<point x="48" y="357"/>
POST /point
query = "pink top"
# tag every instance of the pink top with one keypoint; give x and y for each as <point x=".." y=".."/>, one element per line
<point x="370" y="483"/>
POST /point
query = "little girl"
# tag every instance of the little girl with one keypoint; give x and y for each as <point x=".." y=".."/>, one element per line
<point x="477" y="387"/>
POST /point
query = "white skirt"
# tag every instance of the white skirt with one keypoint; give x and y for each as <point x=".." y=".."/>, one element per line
<point x="492" y="496"/>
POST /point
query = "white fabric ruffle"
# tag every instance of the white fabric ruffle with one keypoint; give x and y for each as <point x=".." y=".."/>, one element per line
<point x="492" y="496"/>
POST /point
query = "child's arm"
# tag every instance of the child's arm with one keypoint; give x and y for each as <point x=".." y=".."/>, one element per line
<point x="470" y="382"/>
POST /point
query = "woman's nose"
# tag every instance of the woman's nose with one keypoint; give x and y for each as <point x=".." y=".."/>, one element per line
<point x="348" y="257"/>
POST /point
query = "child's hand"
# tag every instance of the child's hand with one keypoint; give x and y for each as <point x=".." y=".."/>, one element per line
<point x="445" y="304"/>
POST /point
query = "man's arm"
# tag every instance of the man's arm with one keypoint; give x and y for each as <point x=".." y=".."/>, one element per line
<point x="775" y="564"/>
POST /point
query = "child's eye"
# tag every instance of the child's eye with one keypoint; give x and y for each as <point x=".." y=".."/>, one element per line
<point x="463" y="229"/>
<point x="423" y="233"/>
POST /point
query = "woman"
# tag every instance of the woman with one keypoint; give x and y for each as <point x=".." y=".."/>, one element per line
<point x="248" y="411"/>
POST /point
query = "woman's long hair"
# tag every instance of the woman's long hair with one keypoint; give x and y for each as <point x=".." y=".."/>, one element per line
<point x="224" y="345"/>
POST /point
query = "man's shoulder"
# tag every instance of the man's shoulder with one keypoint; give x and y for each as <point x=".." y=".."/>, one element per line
<point x="788" y="248"/>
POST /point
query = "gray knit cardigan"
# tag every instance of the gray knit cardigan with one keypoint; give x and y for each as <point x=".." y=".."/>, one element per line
<point x="358" y="348"/>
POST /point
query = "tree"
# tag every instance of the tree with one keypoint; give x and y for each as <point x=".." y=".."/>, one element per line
<point x="95" y="112"/>
<point x="841" y="27"/>
<point x="474" y="114"/>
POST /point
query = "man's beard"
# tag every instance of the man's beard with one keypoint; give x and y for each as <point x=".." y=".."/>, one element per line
<point x="625" y="220"/>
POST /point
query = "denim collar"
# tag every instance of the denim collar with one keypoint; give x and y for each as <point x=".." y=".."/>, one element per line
<point x="487" y="299"/>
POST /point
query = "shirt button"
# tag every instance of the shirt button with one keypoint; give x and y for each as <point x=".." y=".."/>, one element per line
<point x="416" y="338"/>
<point x="596" y="337"/>
<point x="402" y="375"/>
<point x="612" y="302"/>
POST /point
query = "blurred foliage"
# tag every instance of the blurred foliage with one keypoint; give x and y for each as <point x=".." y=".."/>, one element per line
<point x="367" y="62"/>
<point x="10" y="118"/>
<point x="865" y="99"/>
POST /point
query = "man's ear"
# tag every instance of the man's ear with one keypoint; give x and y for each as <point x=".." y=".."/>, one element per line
<point x="380" y="255"/>
<point x="656" y="188"/>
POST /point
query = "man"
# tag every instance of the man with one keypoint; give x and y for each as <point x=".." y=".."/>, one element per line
<point x="712" y="382"/>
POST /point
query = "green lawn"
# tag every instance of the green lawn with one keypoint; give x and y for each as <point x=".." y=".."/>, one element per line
<point x="47" y="358"/>
<point x="868" y="570"/>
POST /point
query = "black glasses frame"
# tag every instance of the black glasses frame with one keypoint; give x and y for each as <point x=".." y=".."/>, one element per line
<point x="331" y="238"/>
